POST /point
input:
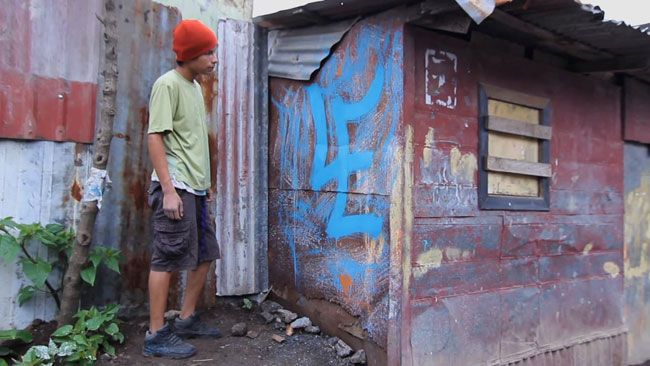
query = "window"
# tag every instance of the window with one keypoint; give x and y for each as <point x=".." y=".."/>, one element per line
<point x="514" y="167"/>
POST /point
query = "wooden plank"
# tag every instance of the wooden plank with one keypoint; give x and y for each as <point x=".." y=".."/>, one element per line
<point x="517" y="167"/>
<point x="510" y="96"/>
<point x="506" y="184"/>
<point x="518" y="128"/>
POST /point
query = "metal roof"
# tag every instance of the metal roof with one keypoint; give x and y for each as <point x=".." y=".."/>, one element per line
<point x="564" y="27"/>
<point x="297" y="54"/>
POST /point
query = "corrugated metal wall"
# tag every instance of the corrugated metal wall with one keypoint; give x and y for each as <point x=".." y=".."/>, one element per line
<point x="242" y="155"/>
<point x="144" y="53"/>
<point x="46" y="90"/>
<point x="212" y="11"/>
<point x="333" y="146"/>
<point x="39" y="181"/>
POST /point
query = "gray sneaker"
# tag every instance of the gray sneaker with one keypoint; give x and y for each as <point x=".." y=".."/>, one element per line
<point x="164" y="343"/>
<point x="192" y="327"/>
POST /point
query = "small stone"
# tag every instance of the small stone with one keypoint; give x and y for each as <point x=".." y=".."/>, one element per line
<point x="279" y="325"/>
<point x="278" y="338"/>
<point x="301" y="323"/>
<point x="312" y="329"/>
<point x="286" y="315"/>
<point x="358" y="358"/>
<point x="252" y="334"/>
<point x="332" y="341"/>
<point x="342" y="349"/>
<point x="172" y="314"/>
<point x="143" y="324"/>
<point x="270" y="306"/>
<point x="268" y="317"/>
<point x="239" y="330"/>
<point x="289" y="331"/>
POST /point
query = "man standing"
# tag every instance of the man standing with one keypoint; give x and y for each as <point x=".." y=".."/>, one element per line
<point x="183" y="232"/>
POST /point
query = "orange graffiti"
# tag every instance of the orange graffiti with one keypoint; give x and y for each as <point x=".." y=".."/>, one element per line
<point x="346" y="283"/>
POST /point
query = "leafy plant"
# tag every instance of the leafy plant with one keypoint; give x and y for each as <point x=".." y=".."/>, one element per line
<point x="12" y="335"/>
<point x="247" y="304"/>
<point x="94" y="331"/>
<point x="19" y="241"/>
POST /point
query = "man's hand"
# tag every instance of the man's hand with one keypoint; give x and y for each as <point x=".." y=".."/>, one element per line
<point x="210" y="195"/>
<point x="173" y="205"/>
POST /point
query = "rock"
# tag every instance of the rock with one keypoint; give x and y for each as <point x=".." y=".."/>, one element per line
<point x="239" y="330"/>
<point x="342" y="349"/>
<point x="286" y="315"/>
<point x="270" y="306"/>
<point x="279" y="325"/>
<point x="312" y="329"/>
<point x="144" y="325"/>
<point x="332" y="341"/>
<point x="268" y="317"/>
<point x="301" y="323"/>
<point x="358" y="358"/>
<point x="252" y="334"/>
<point x="289" y="331"/>
<point x="278" y="338"/>
<point x="172" y="314"/>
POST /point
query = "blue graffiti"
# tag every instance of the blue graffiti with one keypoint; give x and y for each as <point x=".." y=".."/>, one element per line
<point x="324" y="112"/>
<point x="346" y="162"/>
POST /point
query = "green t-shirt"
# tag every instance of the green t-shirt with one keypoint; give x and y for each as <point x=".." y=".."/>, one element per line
<point x="177" y="111"/>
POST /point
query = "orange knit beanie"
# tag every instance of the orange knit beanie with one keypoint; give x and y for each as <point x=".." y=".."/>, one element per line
<point x="192" y="38"/>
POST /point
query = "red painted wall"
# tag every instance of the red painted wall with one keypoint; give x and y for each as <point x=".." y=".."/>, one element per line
<point x="497" y="283"/>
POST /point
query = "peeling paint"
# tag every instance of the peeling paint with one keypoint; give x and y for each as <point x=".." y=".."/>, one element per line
<point x="462" y="165"/>
<point x="611" y="268"/>
<point x="453" y="253"/>
<point x="430" y="258"/>
<point x="637" y="230"/>
<point x="427" y="153"/>
<point x="587" y="248"/>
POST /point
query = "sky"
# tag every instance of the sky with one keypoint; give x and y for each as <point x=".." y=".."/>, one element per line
<point x="632" y="12"/>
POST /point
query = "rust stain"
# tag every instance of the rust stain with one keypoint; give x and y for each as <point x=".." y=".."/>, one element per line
<point x="346" y="283"/>
<point x="212" y="141"/>
<point x="144" y="119"/>
<point x="120" y="135"/>
<point x="75" y="191"/>
<point x="137" y="189"/>
<point x="208" y="85"/>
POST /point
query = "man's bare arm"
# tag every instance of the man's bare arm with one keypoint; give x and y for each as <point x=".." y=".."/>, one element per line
<point x="172" y="204"/>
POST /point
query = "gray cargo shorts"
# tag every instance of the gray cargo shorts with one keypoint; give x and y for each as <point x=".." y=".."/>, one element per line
<point x="182" y="244"/>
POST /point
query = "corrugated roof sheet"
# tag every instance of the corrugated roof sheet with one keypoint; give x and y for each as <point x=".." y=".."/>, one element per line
<point x="582" y="33"/>
<point x="297" y="54"/>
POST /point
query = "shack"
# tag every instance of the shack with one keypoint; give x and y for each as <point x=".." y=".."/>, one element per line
<point x="444" y="192"/>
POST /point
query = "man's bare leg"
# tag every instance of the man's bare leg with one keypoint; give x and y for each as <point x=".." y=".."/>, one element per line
<point x="195" y="283"/>
<point x="158" y="292"/>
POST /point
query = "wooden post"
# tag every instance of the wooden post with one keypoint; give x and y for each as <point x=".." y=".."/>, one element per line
<point x="79" y="257"/>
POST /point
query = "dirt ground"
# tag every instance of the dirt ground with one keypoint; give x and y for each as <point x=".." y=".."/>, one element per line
<point x="298" y="349"/>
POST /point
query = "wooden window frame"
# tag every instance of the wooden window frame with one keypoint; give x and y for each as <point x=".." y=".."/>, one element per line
<point x="513" y="203"/>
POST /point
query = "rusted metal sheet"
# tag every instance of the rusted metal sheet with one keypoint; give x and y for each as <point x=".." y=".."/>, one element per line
<point x="333" y="142"/>
<point x="37" y="184"/>
<point x="636" y="111"/>
<point x="42" y="99"/>
<point x="637" y="251"/>
<point x="297" y="54"/>
<point x="498" y="287"/>
<point x="144" y="53"/>
<point x="242" y="155"/>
